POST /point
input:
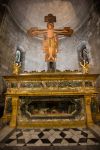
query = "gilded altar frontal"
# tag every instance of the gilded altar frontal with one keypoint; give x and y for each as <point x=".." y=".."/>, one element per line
<point x="49" y="74"/>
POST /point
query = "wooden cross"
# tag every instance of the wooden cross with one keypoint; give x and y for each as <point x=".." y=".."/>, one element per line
<point x="50" y="45"/>
<point x="50" y="18"/>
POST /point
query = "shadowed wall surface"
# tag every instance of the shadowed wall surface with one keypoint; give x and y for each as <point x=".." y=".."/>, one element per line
<point x="21" y="15"/>
<point x="31" y="13"/>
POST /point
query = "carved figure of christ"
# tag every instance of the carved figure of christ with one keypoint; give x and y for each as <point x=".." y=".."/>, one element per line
<point x="50" y="42"/>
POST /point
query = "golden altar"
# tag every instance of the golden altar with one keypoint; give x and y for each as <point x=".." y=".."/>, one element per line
<point x="26" y="93"/>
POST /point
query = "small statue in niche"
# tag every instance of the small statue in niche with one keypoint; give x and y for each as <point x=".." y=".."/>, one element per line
<point x="18" y="56"/>
<point x="84" y="60"/>
<point x="17" y="63"/>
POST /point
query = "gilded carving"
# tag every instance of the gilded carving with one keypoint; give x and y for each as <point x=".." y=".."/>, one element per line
<point x="13" y="122"/>
<point x="50" y="84"/>
<point x="16" y="68"/>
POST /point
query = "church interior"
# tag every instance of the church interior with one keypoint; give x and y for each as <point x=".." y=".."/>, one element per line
<point x="49" y="74"/>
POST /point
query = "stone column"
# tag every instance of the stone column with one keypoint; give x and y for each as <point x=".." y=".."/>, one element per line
<point x="13" y="121"/>
<point x="4" y="117"/>
<point x="88" y="110"/>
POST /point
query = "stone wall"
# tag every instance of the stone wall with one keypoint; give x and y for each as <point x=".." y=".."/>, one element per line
<point x="78" y="14"/>
<point x="31" y="13"/>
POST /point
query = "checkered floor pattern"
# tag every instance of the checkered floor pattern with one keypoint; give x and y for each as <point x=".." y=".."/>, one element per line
<point x="51" y="137"/>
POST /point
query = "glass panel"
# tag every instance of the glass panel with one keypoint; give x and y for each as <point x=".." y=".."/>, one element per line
<point x="51" y="107"/>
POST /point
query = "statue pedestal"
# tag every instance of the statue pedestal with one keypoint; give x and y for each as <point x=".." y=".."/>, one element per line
<point x="16" y="69"/>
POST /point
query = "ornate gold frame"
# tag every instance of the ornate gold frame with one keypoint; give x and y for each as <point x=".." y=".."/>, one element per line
<point x="45" y="78"/>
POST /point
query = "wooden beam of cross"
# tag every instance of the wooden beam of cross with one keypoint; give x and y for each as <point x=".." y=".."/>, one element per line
<point x="50" y="18"/>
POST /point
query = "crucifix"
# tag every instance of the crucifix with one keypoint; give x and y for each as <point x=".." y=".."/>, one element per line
<point x="51" y="36"/>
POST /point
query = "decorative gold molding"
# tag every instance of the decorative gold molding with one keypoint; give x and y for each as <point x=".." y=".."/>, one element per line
<point x="51" y="76"/>
<point x="48" y="92"/>
<point x="87" y="89"/>
<point x="60" y="123"/>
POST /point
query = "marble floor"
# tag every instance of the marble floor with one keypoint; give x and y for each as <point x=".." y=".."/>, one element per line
<point x="51" y="137"/>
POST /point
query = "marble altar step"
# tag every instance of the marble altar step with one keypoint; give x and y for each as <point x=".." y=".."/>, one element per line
<point x="51" y="137"/>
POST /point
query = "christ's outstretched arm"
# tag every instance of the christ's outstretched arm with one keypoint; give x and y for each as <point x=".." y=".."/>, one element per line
<point x="35" y="31"/>
<point x="66" y="31"/>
